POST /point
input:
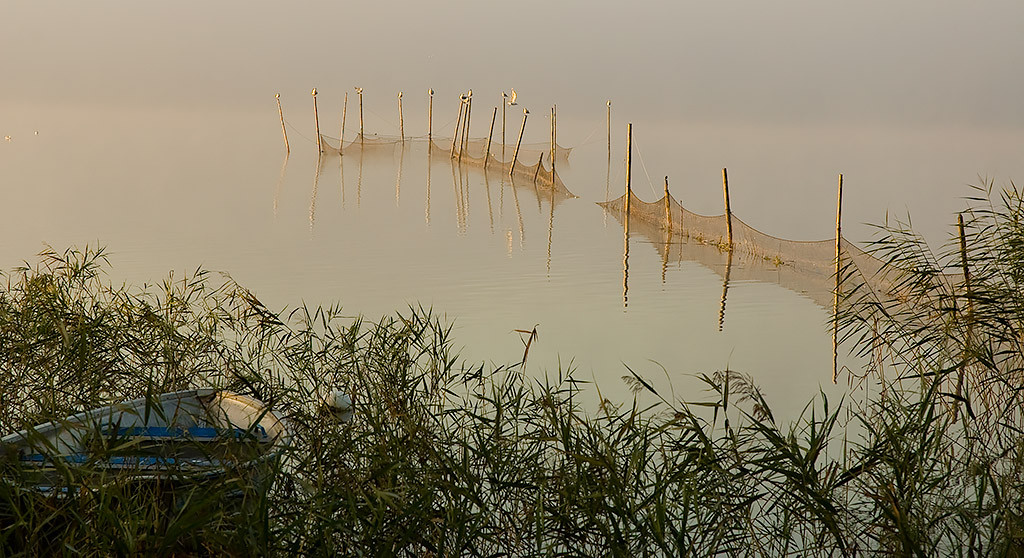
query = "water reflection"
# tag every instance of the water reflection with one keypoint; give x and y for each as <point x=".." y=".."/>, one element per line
<point x="341" y="179"/>
<point x="725" y="290"/>
<point x="398" y="178"/>
<point x="625" y="266"/>
<point x="490" y="209"/>
<point x="280" y="180"/>
<point x="430" y="146"/>
<point x="316" y="183"/>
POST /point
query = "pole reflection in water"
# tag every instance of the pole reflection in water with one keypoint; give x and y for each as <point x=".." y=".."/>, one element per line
<point x="551" y="229"/>
<point x="312" y="197"/>
<point x="725" y="292"/>
<point x="519" y="212"/>
<point x="625" y="267"/>
<point x="664" y="255"/>
<point x="487" y="187"/>
<point x="280" y="180"/>
<point x="359" y="179"/>
<point x="341" y="179"/>
<point x="398" y="179"/>
<point x="430" y="144"/>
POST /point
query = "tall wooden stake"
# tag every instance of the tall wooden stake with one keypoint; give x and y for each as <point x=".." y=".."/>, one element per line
<point x="487" y="155"/>
<point x="465" y="129"/>
<point x="838" y="270"/>
<point x="536" y="173"/>
<point x="553" y="129"/>
<point x="458" y="121"/>
<point x="401" y="120"/>
<point x="284" y="131"/>
<point x="430" y="115"/>
<point x="609" y="129"/>
<point x="344" y="114"/>
<point x="728" y="209"/>
<point x="504" y="104"/>
<point x="668" y="206"/>
<point x="316" y="119"/>
<point x="515" y="155"/>
<point x="360" y="91"/>
<point x="629" y="168"/>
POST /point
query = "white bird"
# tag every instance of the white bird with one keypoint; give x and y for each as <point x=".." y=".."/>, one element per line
<point x="339" y="404"/>
<point x="359" y="90"/>
<point x="431" y="92"/>
<point x="399" y="94"/>
<point x="512" y="101"/>
<point x="526" y="111"/>
<point x="314" y="92"/>
<point x="8" y="138"/>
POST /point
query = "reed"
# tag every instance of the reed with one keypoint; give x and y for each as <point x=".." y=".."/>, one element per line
<point x="448" y="457"/>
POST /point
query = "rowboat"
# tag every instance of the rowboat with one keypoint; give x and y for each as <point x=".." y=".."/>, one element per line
<point x="184" y="435"/>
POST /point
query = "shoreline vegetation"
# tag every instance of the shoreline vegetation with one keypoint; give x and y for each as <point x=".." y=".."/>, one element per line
<point x="446" y="459"/>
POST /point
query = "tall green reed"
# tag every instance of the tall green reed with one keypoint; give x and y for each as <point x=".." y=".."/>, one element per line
<point x="446" y="457"/>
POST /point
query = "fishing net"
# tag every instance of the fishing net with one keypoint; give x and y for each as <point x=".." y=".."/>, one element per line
<point x="806" y="267"/>
<point x="471" y="153"/>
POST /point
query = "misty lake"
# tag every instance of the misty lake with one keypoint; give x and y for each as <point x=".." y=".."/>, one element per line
<point x="166" y="148"/>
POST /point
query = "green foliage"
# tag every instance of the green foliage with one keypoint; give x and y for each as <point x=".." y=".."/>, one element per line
<point x="444" y="458"/>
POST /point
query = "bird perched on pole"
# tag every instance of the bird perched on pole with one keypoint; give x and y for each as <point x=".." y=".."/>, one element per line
<point x="512" y="99"/>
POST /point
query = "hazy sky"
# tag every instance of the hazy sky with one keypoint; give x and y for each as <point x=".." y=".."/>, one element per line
<point x="911" y="62"/>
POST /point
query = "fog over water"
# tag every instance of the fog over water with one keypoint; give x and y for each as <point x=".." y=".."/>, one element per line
<point x="151" y="128"/>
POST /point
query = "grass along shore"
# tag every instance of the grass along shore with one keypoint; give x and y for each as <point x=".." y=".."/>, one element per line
<point x="445" y="458"/>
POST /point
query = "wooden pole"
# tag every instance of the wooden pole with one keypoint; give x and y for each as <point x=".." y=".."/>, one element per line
<point x="487" y="155"/>
<point x="668" y="206"/>
<point x="504" y="103"/>
<point x="629" y="168"/>
<point x="553" y="142"/>
<point x="344" y="114"/>
<point x="360" y="91"/>
<point x="316" y="119"/>
<point x="401" y="120"/>
<point x="838" y="271"/>
<point x="458" y="121"/>
<point x="465" y="129"/>
<point x="537" y="172"/>
<point x="430" y="115"/>
<point x="728" y="209"/>
<point x="284" y="131"/>
<point x="515" y="155"/>
<point x="609" y="129"/>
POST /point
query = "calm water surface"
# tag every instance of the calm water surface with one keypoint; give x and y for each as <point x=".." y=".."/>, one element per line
<point x="153" y="130"/>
